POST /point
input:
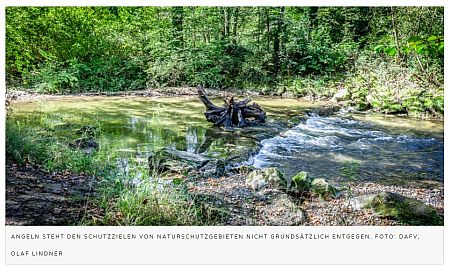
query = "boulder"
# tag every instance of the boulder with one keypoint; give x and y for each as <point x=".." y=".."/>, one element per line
<point x="301" y="182"/>
<point x="213" y="168"/>
<point x="266" y="177"/>
<point x="170" y="160"/>
<point x="281" y="210"/>
<point x="323" y="189"/>
<point x="407" y="210"/>
<point x="326" y="110"/>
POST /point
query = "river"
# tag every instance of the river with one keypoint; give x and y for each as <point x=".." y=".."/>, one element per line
<point x="345" y="146"/>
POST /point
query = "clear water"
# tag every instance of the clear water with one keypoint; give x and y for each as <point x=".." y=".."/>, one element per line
<point x="381" y="148"/>
<point x="140" y="125"/>
<point x="342" y="147"/>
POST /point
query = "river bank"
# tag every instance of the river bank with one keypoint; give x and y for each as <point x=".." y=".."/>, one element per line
<point x="338" y="99"/>
<point x="37" y="197"/>
<point x="174" y="121"/>
<point x="24" y="95"/>
<point x="273" y="207"/>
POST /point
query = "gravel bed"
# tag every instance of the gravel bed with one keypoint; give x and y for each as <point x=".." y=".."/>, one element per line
<point x="274" y="207"/>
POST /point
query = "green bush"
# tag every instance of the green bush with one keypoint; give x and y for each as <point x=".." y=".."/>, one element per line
<point x="74" y="76"/>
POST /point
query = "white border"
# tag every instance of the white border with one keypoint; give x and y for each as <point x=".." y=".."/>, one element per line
<point x="187" y="3"/>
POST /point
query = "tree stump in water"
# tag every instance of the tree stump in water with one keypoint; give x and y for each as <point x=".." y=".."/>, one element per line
<point x="233" y="113"/>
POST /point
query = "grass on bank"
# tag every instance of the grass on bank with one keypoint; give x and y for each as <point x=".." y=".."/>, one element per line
<point x="132" y="197"/>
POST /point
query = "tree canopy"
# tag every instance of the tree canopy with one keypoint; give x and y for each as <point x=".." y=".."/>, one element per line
<point x="83" y="49"/>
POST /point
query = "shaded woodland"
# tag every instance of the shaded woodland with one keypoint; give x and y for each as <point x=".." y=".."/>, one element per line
<point x="312" y="51"/>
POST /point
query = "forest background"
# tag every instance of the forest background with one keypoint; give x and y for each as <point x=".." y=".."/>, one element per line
<point x="386" y="58"/>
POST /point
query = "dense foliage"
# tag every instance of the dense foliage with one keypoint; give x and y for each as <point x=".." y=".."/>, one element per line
<point x="388" y="58"/>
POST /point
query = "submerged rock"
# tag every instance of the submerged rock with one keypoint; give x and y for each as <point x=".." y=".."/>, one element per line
<point x="266" y="177"/>
<point x="323" y="189"/>
<point x="401" y="208"/>
<point x="241" y="155"/>
<point x="297" y="120"/>
<point x="326" y="110"/>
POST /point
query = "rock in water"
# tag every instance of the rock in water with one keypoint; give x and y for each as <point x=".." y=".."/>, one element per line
<point x="323" y="189"/>
<point x="267" y="177"/>
<point x="326" y="110"/>
<point x="401" y="208"/>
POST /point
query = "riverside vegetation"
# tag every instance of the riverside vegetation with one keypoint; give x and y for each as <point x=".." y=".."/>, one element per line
<point x="93" y="161"/>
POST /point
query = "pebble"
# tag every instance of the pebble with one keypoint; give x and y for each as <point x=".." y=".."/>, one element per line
<point x="249" y="208"/>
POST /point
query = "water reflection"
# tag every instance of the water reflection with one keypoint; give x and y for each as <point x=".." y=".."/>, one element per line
<point x="386" y="147"/>
<point x="191" y="140"/>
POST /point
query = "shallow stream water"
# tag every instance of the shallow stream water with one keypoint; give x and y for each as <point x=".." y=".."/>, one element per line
<point x="387" y="149"/>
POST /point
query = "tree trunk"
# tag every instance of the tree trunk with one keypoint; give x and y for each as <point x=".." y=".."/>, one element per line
<point x="276" y="42"/>
<point x="236" y="20"/>
<point x="233" y="113"/>
<point x="267" y="13"/>
<point x="395" y="34"/>
<point x="177" y="22"/>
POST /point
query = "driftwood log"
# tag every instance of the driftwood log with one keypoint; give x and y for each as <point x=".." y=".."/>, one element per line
<point x="233" y="113"/>
<point x="170" y="160"/>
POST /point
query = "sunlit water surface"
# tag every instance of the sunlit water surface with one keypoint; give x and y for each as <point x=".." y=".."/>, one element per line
<point x="386" y="149"/>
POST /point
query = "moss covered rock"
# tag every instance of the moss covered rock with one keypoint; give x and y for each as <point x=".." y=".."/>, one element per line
<point x="301" y="182"/>
<point x="404" y="209"/>
<point x="281" y="210"/>
<point x="213" y="168"/>
<point x="266" y="177"/>
<point x="323" y="189"/>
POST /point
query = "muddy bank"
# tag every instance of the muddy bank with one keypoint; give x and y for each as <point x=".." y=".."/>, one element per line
<point x="35" y="197"/>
